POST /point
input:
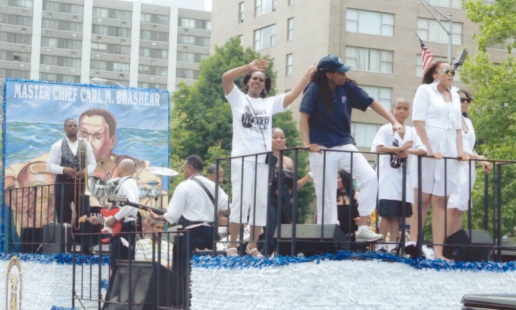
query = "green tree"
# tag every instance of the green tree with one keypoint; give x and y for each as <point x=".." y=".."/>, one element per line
<point x="493" y="110"/>
<point x="202" y="121"/>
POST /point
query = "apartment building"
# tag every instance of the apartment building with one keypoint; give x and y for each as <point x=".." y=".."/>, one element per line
<point x="377" y="38"/>
<point x="132" y="44"/>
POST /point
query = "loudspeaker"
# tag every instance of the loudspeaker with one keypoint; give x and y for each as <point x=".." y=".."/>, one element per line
<point x="143" y="286"/>
<point x="31" y="240"/>
<point x="310" y="240"/>
<point x="57" y="238"/>
<point x="461" y="246"/>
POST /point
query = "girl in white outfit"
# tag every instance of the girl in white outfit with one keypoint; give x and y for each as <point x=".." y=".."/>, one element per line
<point x="437" y="119"/>
<point x="458" y="203"/>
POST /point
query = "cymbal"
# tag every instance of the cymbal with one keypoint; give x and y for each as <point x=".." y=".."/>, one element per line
<point x="163" y="171"/>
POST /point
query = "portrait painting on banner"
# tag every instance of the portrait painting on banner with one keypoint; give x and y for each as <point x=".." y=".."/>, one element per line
<point x="118" y="123"/>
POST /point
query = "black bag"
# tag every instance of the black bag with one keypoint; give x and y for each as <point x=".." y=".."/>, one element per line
<point x="57" y="238"/>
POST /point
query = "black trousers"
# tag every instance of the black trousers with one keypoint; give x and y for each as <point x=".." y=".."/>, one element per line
<point x="201" y="237"/>
<point x="118" y="250"/>
<point x="65" y="194"/>
<point x="269" y="246"/>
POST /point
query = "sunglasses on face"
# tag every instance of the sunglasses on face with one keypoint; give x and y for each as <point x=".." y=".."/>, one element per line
<point x="448" y="71"/>
<point x="259" y="79"/>
<point x="464" y="99"/>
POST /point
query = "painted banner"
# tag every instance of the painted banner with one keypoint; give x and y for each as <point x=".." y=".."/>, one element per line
<point x="118" y="122"/>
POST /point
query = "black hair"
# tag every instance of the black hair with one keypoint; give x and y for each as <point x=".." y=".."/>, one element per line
<point x="196" y="162"/>
<point x="268" y="82"/>
<point x="212" y="168"/>
<point x="68" y="120"/>
<point x="428" y="76"/>
<point x="319" y="77"/>
<point x="465" y="114"/>
<point x="347" y="182"/>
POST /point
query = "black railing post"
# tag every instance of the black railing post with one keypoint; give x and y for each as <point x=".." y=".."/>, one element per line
<point x="420" y="225"/>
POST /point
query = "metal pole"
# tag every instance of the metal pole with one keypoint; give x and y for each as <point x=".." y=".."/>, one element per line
<point x="450" y="25"/>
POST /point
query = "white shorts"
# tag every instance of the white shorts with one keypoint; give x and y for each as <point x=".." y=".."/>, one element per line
<point x="243" y="183"/>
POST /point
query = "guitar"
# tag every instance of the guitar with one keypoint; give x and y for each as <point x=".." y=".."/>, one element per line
<point x="106" y="213"/>
<point x="122" y="199"/>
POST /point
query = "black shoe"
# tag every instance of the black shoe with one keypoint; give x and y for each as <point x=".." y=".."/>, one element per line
<point x="86" y="250"/>
<point x="411" y="249"/>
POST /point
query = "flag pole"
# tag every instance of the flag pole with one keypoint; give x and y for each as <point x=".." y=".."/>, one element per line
<point x="448" y="29"/>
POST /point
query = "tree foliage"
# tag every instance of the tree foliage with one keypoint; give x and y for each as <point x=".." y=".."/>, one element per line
<point x="202" y="121"/>
<point x="493" y="109"/>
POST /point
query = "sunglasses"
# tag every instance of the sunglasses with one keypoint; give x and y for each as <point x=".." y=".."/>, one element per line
<point x="448" y="71"/>
<point x="464" y="99"/>
<point x="259" y="79"/>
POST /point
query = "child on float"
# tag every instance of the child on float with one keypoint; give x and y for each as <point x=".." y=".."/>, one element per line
<point x="399" y="146"/>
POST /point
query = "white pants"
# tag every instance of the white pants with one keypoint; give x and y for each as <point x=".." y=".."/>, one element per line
<point x="362" y="172"/>
<point x="243" y="189"/>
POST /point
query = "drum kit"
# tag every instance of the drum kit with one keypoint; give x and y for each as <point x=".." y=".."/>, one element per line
<point x="101" y="190"/>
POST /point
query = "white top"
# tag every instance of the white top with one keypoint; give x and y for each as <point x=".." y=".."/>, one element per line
<point x="191" y="201"/>
<point x="127" y="186"/>
<point x="441" y="119"/>
<point x="252" y="122"/>
<point x="468" y="139"/>
<point x="391" y="171"/>
<point x="54" y="159"/>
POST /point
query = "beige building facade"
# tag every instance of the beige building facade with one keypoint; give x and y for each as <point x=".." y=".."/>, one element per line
<point x="377" y="38"/>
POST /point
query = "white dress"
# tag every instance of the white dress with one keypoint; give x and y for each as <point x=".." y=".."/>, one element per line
<point x="460" y="200"/>
<point x="442" y="120"/>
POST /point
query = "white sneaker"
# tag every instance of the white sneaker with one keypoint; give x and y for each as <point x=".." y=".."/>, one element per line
<point x="366" y="235"/>
<point x="428" y="252"/>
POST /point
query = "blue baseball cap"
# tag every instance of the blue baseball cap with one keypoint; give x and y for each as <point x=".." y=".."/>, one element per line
<point x="332" y="63"/>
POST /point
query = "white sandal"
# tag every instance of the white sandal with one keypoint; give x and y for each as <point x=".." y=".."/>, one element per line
<point x="254" y="252"/>
<point x="232" y="252"/>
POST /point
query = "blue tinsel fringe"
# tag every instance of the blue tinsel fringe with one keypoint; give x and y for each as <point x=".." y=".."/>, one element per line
<point x="242" y="262"/>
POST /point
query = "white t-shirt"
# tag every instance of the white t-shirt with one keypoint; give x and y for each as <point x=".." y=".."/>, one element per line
<point x="191" y="201"/>
<point x="252" y="122"/>
<point x="391" y="171"/>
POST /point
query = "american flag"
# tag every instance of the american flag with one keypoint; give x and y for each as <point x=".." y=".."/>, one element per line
<point x="426" y="55"/>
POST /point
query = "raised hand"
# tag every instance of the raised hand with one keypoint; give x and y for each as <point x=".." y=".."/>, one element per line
<point x="259" y="64"/>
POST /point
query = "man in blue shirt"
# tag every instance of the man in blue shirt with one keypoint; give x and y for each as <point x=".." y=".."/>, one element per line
<point x="325" y="127"/>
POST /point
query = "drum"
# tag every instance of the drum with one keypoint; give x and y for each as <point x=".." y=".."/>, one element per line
<point x="144" y="192"/>
<point x="154" y="191"/>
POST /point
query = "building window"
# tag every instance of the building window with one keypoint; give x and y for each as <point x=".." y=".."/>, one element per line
<point x="187" y="74"/>
<point x="153" y="53"/>
<point x="264" y="38"/>
<point x="60" y="61"/>
<point x="263" y="7"/>
<point x="15" y="56"/>
<point x="455" y="4"/>
<point x="368" y="22"/>
<point x="13" y="73"/>
<point x="154" y="35"/>
<point x="61" y="43"/>
<point x="155" y="19"/>
<point x="194" y="23"/>
<point x="112" y="13"/>
<point x="381" y="94"/>
<point x="15" y="20"/>
<point x="364" y="133"/>
<point x="19" y="3"/>
<point x="291" y="2"/>
<point x="368" y="59"/>
<point x="430" y="30"/>
<point x="152" y="85"/>
<point x="290" y="29"/>
<point x="60" y="25"/>
<point x="63" y="7"/>
<point x="190" y="57"/>
<point x="241" y="10"/>
<point x="193" y="40"/>
<point x="111" y="31"/>
<point x="288" y="67"/>
<point x="15" y="38"/>
<point x="121" y="67"/>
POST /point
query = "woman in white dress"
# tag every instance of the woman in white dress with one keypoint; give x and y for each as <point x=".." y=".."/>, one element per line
<point x="437" y="119"/>
<point x="458" y="203"/>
